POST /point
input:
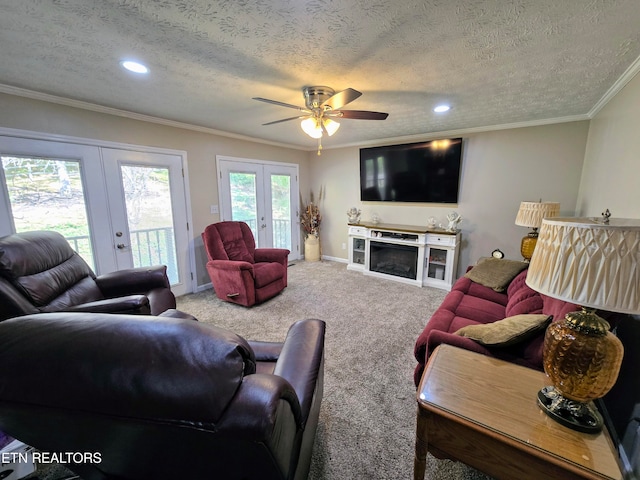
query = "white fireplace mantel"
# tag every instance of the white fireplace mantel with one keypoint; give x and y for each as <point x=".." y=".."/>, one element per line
<point x="413" y="255"/>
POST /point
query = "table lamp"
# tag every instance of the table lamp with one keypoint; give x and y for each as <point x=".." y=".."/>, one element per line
<point x="595" y="264"/>
<point x="530" y="214"/>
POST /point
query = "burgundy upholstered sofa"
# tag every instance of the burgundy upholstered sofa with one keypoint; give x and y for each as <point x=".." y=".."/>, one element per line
<point x="470" y="303"/>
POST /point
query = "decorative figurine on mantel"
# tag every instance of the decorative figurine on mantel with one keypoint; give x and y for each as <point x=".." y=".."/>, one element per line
<point x="431" y="222"/>
<point x="454" y="219"/>
<point x="353" y="215"/>
<point x="375" y="219"/>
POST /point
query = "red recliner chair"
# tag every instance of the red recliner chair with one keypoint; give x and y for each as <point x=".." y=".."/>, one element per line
<point x="240" y="272"/>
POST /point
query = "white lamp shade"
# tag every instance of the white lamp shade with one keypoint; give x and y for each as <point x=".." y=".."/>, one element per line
<point x="331" y="126"/>
<point x="311" y="127"/>
<point x="531" y="214"/>
<point x="589" y="263"/>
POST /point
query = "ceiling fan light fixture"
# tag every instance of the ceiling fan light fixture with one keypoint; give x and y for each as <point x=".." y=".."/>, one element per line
<point x="331" y="126"/>
<point x="311" y="127"/>
<point x="322" y="104"/>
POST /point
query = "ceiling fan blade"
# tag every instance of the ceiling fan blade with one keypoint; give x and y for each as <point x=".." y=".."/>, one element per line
<point x="361" y="115"/>
<point x="340" y="99"/>
<point x="281" y="104"/>
<point x="284" y="120"/>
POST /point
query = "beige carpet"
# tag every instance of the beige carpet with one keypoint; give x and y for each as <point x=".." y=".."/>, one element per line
<point x="367" y="419"/>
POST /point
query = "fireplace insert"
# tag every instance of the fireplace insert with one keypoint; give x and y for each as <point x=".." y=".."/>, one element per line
<point x="394" y="259"/>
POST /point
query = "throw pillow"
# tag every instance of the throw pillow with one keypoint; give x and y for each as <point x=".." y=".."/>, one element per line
<point x="509" y="331"/>
<point x="495" y="273"/>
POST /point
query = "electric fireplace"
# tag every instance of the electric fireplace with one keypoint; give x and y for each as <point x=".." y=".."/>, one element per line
<point x="394" y="259"/>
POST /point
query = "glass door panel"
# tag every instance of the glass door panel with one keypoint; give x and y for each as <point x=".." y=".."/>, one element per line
<point x="264" y="195"/>
<point x="436" y="263"/>
<point x="148" y="212"/>
<point x="85" y="192"/>
<point x="48" y="194"/>
<point x="358" y="250"/>
<point x="147" y="196"/>
<point x="244" y="201"/>
<point x="281" y="210"/>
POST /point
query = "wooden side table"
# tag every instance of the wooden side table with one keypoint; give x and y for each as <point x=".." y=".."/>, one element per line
<point x="483" y="412"/>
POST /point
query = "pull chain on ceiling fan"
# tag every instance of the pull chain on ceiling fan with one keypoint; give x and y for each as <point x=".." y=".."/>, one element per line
<point x="322" y="106"/>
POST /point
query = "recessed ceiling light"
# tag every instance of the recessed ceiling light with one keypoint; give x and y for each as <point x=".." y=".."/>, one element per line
<point x="134" y="66"/>
<point x="442" y="108"/>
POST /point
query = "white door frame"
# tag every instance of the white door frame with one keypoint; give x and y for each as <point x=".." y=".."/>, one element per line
<point x="98" y="207"/>
<point x="113" y="160"/>
<point x="267" y="167"/>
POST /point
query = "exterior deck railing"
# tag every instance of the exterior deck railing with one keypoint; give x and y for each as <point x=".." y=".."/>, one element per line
<point x="156" y="246"/>
<point x="149" y="246"/>
<point x="281" y="232"/>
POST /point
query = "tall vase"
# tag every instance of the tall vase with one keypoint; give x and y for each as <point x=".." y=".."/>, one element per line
<point x="311" y="248"/>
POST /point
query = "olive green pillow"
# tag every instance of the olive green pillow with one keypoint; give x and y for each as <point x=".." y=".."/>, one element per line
<point x="495" y="273"/>
<point x="509" y="331"/>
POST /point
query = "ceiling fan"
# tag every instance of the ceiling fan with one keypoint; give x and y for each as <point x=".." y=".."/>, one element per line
<point x="322" y="106"/>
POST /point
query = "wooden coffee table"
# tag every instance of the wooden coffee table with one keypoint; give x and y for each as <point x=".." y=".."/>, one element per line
<point x="484" y="412"/>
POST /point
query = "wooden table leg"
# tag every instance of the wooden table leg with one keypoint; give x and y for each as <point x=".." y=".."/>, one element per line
<point x="420" y="459"/>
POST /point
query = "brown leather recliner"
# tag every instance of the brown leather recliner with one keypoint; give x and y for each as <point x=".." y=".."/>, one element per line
<point x="146" y="397"/>
<point x="40" y="272"/>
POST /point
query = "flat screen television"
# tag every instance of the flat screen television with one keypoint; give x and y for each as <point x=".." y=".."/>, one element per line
<point x="413" y="172"/>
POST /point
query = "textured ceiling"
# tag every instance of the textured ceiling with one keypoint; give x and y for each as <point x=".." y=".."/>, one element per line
<point x="500" y="62"/>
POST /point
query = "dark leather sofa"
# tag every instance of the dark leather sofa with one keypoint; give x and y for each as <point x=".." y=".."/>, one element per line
<point x="40" y="272"/>
<point x="157" y="397"/>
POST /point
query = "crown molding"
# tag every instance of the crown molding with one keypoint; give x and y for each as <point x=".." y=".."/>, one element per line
<point x="625" y="78"/>
<point x="45" y="97"/>
<point x="464" y="131"/>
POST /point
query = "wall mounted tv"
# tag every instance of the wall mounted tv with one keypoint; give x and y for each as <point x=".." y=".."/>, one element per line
<point x="414" y="172"/>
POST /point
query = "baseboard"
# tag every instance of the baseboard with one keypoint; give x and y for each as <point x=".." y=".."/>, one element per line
<point x="202" y="288"/>
<point x="335" y="259"/>
<point x="209" y="286"/>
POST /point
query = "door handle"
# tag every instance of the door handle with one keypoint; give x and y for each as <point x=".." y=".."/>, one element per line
<point x="264" y="225"/>
<point x="121" y="246"/>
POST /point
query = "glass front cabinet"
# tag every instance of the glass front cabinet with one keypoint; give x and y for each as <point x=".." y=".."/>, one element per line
<point x="357" y="248"/>
<point x="441" y="260"/>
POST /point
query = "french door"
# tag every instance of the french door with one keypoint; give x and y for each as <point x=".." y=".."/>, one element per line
<point x="148" y="213"/>
<point x="117" y="208"/>
<point x="265" y="196"/>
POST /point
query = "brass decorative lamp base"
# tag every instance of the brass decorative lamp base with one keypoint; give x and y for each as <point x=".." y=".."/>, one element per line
<point x="531" y="214"/>
<point x="528" y="244"/>
<point x="583" y="417"/>
<point x="582" y="359"/>
<point x="593" y="263"/>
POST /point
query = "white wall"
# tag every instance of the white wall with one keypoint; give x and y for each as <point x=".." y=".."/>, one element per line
<point x="612" y="159"/>
<point x="500" y="169"/>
